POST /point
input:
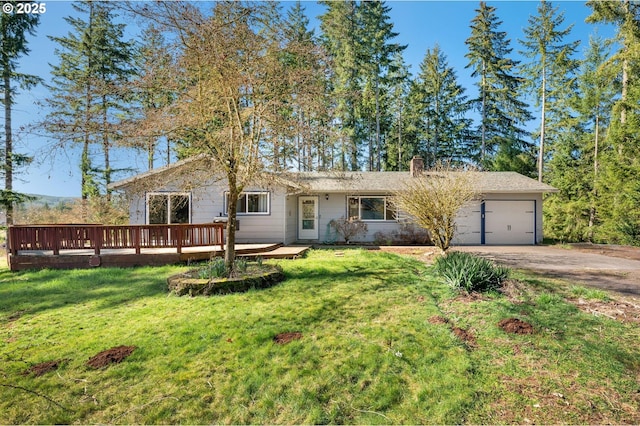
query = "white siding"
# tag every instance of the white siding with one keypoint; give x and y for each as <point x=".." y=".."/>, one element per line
<point x="208" y="203"/>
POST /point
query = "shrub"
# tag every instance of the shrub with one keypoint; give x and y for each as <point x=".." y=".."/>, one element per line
<point x="464" y="271"/>
<point x="215" y="268"/>
<point x="348" y="229"/>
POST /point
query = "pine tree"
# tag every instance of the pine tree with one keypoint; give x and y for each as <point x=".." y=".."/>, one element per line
<point x="307" y="106"/>
<point x="549" y="72"/>
<point x="574" y="214"/>
<point x="14" y="29"/>
<point x="620" y="162"/>
<point x="502" y="114"/>
<point x="87" y="99"/>
<point x="377" y="52"/>
<point x="339" y="26"/>
<point x="398" y="150"/>
<point x="442" y="107"/>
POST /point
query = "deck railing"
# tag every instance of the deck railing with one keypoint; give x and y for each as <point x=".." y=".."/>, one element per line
<point x="98" y="237"/>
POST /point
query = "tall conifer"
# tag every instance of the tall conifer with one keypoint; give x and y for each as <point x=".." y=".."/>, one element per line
<point x="14" y="29"/>
<point x="502" y="114"/>
<point x="549" y="71"/>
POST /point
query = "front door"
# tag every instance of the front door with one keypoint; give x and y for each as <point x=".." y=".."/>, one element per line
<point x="308" y="218"/>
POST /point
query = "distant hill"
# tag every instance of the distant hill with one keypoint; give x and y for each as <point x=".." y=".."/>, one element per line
<point x="51" y="201"/>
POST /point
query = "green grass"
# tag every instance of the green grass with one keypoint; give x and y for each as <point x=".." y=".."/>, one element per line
<point x="369" y="353"/>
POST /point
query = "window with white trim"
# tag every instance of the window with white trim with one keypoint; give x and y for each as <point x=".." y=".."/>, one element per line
<point x="251" y="202"/>
<point x="168" y="207"/>
<point x="370" y="208"/>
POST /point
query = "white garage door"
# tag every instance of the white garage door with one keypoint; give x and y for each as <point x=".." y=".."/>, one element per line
<point x="468" y="226"/>
<point x="509" y="222"/>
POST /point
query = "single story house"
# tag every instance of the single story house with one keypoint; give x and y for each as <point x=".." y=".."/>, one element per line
<point x="299" y="206"/>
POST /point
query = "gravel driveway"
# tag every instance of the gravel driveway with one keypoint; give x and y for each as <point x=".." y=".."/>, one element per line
<point x="593" y="269"/>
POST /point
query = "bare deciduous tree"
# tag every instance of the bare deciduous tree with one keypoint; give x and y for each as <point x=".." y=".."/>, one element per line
<point x="233" y="84"/>
<point x="433" y="200"/>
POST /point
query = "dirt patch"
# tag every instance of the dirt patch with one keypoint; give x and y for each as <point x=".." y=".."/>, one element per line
<point x="110" y="356"/>
<point x="515" y="326"/>
<point x="616" y="310"/>
<point x="16" y="316"/>
<point x="437" y="319"/>
<point x="44" y="367"/>
<point x="284" y="338"/>
<point x="467" y="337"/>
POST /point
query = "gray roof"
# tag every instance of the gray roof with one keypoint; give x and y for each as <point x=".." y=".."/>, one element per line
<point x="487" y="182"/>
<point x="338" y="181"/>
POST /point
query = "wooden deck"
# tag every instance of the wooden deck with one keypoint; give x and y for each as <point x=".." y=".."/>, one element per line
<point x="87" y="246"/>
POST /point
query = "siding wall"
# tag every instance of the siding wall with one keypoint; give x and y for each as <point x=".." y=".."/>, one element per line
<point x="207" y="203"/>
<point x="281" y="224"/>
<point x="335" y="208"/>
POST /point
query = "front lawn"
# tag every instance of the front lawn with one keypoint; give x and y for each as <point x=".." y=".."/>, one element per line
<point x="349" y="337"/>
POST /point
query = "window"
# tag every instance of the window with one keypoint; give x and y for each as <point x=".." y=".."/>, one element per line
<point x="251" y="203"/>
<point x="370" y="208"/>
<point x="168" y="207"/>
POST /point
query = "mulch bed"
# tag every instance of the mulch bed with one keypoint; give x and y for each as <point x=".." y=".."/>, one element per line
<point x="516" y="326"/>
<point x="44" y="367"/>
<point x="110" y="356"/>
<point x="284" y="338"/>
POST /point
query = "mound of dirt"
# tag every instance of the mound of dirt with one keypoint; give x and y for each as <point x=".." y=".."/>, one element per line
<point x="468" y="338"/>
<point x="437" y="319"/>
<point x="284" y="338"/>
<point x="516" y="326"/>
<point x="110" y="356"/>
<point x="44" y="367"/>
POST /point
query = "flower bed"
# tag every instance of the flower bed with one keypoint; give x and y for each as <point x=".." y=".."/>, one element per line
<point x="255" y="276"/>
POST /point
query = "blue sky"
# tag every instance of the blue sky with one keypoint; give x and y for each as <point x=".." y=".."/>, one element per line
<point x="420" y="24"/>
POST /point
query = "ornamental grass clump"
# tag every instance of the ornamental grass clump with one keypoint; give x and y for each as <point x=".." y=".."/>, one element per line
<point x="464" y="271"/>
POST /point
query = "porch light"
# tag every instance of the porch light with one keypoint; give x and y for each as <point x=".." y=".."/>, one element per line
<point x="326" y="197"/>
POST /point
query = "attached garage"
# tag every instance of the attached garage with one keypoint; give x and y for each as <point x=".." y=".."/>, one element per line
<point x="509" y="222"/>
<point x="499" y="222"/>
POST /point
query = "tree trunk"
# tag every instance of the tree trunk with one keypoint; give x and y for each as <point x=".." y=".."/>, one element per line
<point x="377" y="126"/>
<point x="543" y="125"/>
<point x="232" y="213"/>
<point x="592" y="209"/>
<point x="8" y="148"/>
<point x="106" y="148"/>
<point x="483" y="143"/>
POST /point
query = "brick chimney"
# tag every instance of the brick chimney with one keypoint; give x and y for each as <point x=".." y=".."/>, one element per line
<point x="416" y="167"/>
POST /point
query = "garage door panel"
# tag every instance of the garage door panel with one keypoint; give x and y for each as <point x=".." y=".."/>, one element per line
<point x="468" y="226"/>
<point x="509" y="222"/>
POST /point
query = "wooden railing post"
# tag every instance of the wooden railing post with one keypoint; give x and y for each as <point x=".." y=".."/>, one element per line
<point x="136" y="238"/>
<point x="97" y="239"/>
<point x="179" y="238"/>
<point x="56" y="240"/>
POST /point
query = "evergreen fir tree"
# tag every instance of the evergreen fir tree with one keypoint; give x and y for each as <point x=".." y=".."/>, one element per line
<point x="14" y="29"/>
<point x="443" y="107"/>
<point x="549" y="71"/>
<point x="377" y="52"/>
<point x="502" y="114"/>
<point x="339" y="25"/>
<point x="620" y="161"/>
<point x="87" y="99"/>
<point x="398" y="150"/>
